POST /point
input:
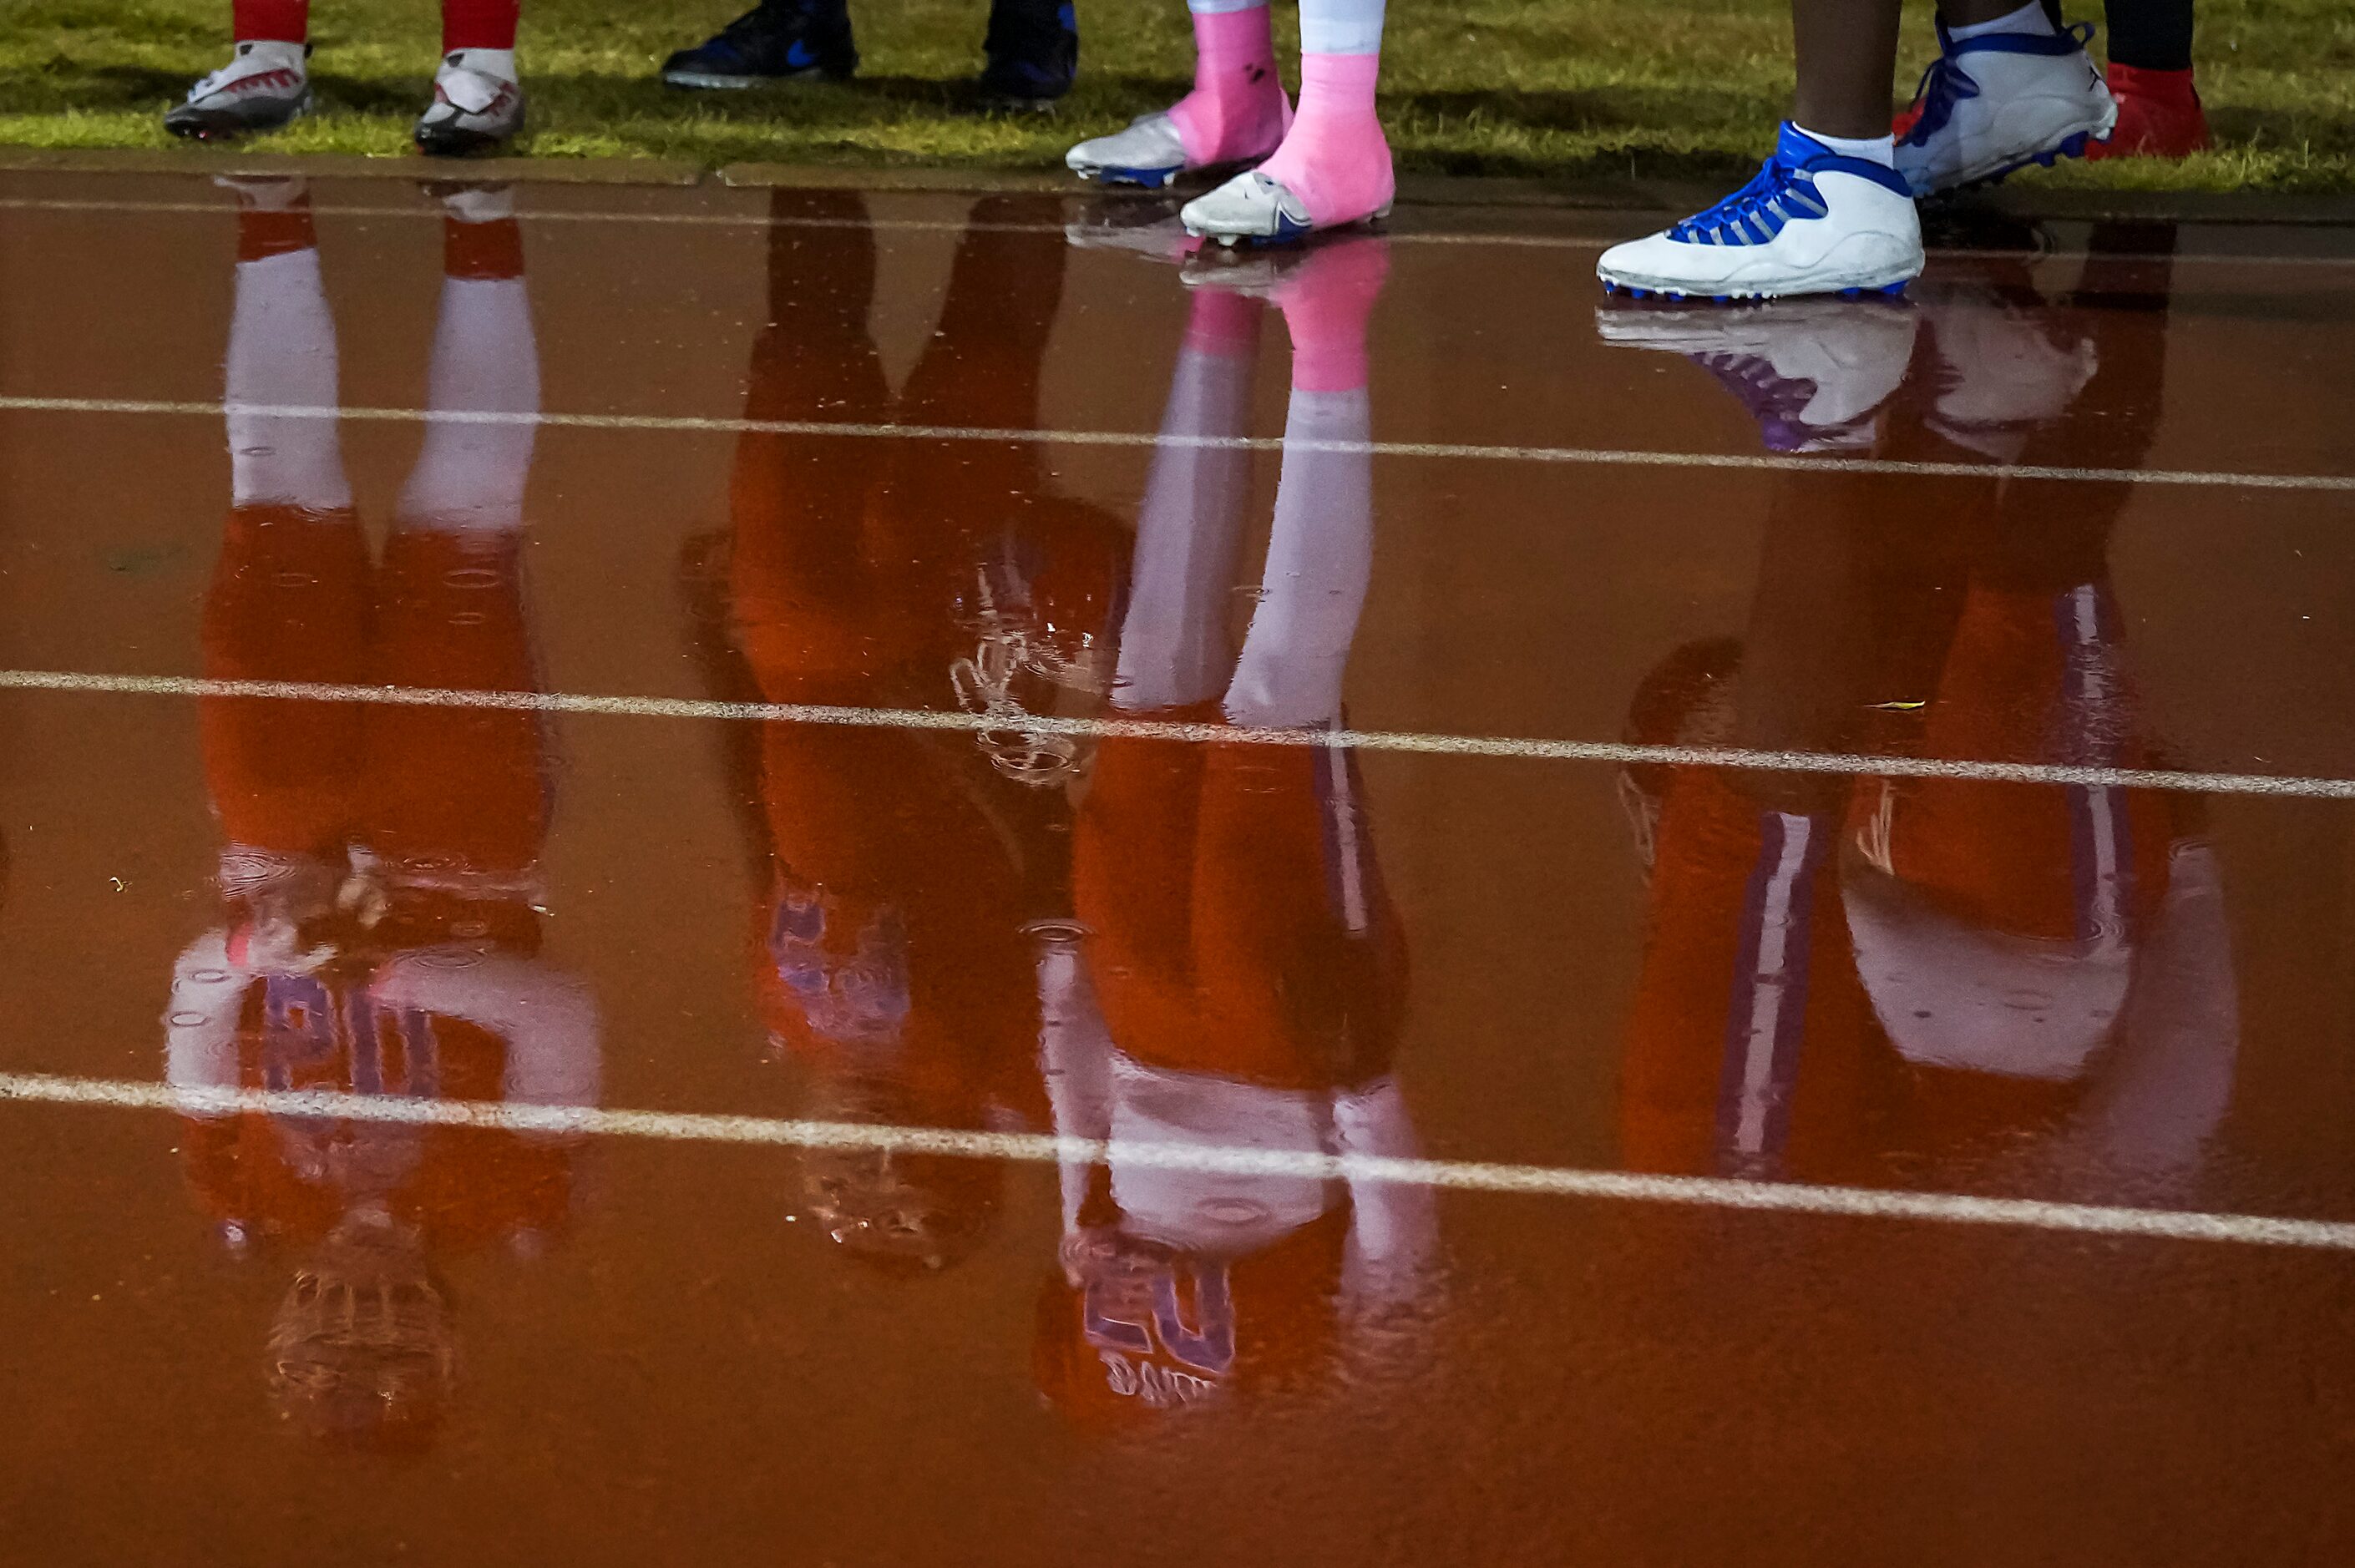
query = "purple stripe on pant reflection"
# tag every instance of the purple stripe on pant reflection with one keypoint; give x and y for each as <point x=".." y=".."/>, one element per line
<point x="1767" y="1015"/>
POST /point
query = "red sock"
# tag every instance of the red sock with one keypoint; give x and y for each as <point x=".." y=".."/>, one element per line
<point x="279" y="21"/>
<point x="479" y="24"/>
<point x="262" y="234"/>
<point x="482" y="250"/>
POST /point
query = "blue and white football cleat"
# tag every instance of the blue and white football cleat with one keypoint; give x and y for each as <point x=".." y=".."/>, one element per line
<point x="1149" y="153"/>
<point x="1995" y="104"/>
<point x="1812" y="222"/>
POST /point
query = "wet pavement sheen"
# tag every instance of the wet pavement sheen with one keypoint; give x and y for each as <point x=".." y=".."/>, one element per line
<point x="1063" y="688"/>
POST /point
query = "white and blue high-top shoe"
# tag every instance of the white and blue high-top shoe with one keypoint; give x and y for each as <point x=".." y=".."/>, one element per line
<point x="1991" y="105"/>
<point x="1813" y="222"/>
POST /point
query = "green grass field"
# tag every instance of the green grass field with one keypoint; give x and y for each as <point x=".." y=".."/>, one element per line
<point x="1556" y="88"/>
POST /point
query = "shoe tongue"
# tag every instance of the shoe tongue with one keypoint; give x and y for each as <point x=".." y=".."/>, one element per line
<point x="1795" y="147"/>
<point x="469" y="89"/>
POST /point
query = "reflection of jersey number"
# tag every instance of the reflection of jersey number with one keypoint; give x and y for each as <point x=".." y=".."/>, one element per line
<point x="308" y="1027"/>
<point x="1127" y="1310"/>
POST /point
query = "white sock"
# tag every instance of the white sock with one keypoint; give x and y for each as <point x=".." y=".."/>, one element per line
<point x="1340" y="27"/>
<point x="1173" y="639"/>
<point x="2029" y="18"/>
<point x="1319" y="562"/>
<point x="499" y="63"/>
<point x="1881" y="150"/>
<point x="470" y="478"/>
<point x="282" y="352"/>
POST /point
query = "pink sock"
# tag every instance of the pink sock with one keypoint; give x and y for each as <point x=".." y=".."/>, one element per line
<point x="1334" y="158"/>
<point x="1237" y="110"/>
<point x="1326" y="305"/>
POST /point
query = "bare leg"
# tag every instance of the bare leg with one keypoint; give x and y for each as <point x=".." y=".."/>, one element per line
<point x="1846" y="52"/>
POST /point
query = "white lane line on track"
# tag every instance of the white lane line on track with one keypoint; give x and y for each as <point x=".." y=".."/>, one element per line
<point x="957" y="225"/>
<point x="1147" y="439"/>
<point x="1465" y="746"/>
<point x="1469" y="1176"/>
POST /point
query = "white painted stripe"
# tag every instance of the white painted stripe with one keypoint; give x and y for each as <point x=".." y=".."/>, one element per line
<point x="760" y="218"/>
<point x="1040" y="1149"/>
<point x="1145" y="439"/>
<point x="1506" y="747"/>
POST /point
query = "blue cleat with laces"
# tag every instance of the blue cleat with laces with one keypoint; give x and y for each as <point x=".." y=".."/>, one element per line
<point x="1813" y="222"/>
<point x="1991" y="105"/>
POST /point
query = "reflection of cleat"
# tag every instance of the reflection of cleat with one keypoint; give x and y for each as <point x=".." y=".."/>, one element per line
<point x="1991" y="105"/>
<point x="265" y="85"/>
<point x="781" y="40"/>
<point x="2159" y="115"/>
<point x="1252" y="207"/>
<point x="473" y="109"/>
<point x="472" y="203"/>
<point x="2004" y="370"/>
<point x="266" y="192"/>
<point x="1812" y="222"/>
<point x="1142" y="228"/>
<point x="1812" y="373"/>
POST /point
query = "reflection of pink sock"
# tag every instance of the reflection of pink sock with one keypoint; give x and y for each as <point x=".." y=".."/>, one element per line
<point x="1334" y="158"/>
<point x="1237" y="110"/>
<point x="1326" y="305"/>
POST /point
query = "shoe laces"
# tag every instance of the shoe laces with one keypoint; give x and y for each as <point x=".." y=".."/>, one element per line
<point x="1943" y="85"/>
<point x="1768" y="194"/>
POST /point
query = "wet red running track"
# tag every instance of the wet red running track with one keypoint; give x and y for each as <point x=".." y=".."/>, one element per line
<point x="725" y="876"/>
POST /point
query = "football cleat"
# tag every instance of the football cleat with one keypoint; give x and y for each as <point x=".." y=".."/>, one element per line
<point x="2005" y="369"/>
<point x="1812" y="222"/>
<point x="1995" y="104"/>
<point x="473" y="110"/>
<point x="2159" y="115"/>
<point x="1033" y="54"/>
<point x="1150" y="154"/>
<point x="1252" y="207"/>
<point x="1813" y="373"/>
<point x="265" y="85"/>
<point x="779" y="40"/>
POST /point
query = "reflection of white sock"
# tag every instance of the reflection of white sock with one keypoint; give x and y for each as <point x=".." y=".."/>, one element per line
<point x="1173" y="640"/>
<point x="282" y="352"/>
<point x="1319" y="562"/>
<point x="1881" y="150"/>
<point x="469" y="476"/>
<point x="2029" y="18"/>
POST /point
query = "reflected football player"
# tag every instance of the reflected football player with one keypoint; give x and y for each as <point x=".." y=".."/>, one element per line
<point x="900" y="865"/>
<point x="2004" y="986"/>
<point x="378" y="933"/>
<point x="1236" y="974"/>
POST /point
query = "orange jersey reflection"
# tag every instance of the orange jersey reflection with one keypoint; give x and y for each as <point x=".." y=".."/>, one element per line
<point x="1856" y="979"/>
<point x="1236" y="976"/>
<point x="381" y="867"/>
<point x="925" y="574"/>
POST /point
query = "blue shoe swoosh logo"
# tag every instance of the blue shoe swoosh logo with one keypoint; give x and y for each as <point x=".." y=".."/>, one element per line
<point x="801" y="57"/>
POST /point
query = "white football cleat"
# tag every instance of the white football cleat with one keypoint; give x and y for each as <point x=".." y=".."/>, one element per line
<point x="1813" y="222"/>
<point x="477" y="104"/>
<point x="1812" y="373"/>
<point x="1149" y="153"/>
<point x="1253" y="206"/>
<point x="1996" y="103"/>
<point x="265" y="85"/>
